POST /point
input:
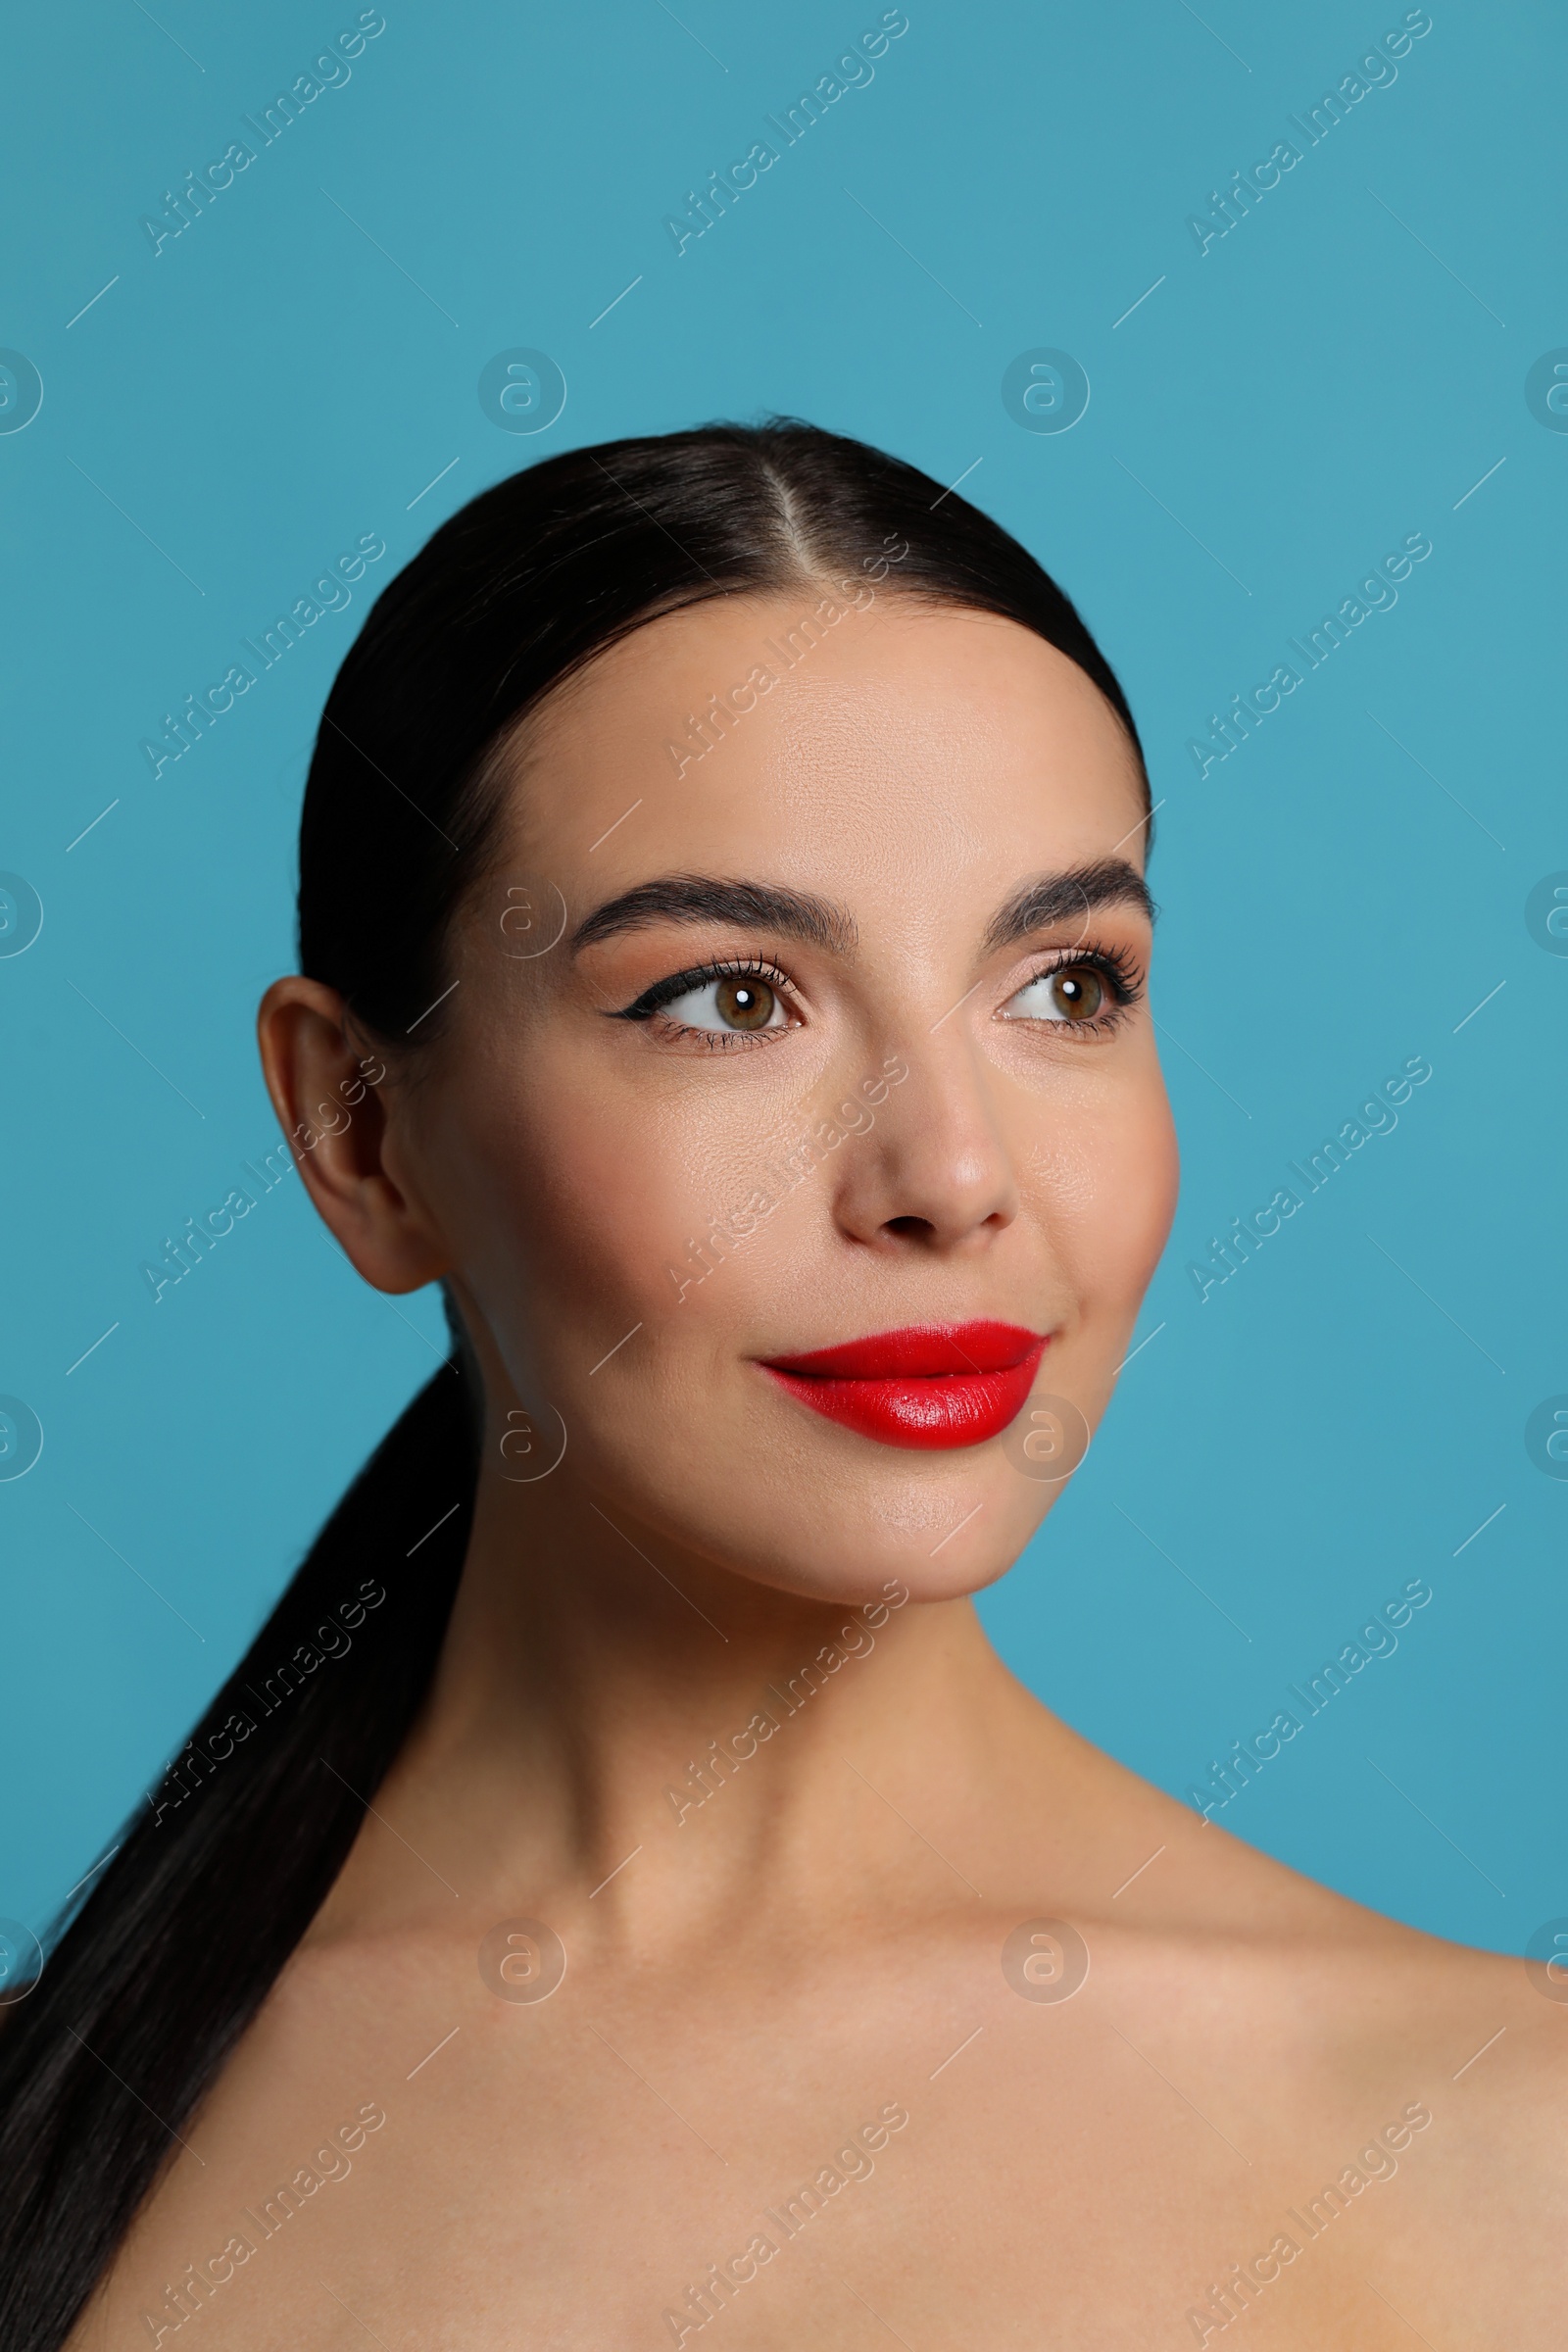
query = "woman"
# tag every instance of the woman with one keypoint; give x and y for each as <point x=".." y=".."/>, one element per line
<point x="621" y="1893"/>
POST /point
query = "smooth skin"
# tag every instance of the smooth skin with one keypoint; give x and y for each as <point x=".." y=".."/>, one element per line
<point x="817" y="1947"/>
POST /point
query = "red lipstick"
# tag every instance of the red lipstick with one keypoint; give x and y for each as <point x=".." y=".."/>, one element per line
<point x="950" y="1384"/>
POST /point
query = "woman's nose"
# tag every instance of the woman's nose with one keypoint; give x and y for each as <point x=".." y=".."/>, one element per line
<point x="934" y="1172"/>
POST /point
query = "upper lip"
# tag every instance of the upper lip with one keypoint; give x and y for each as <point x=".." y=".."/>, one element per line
<point x="919" y="1352"/>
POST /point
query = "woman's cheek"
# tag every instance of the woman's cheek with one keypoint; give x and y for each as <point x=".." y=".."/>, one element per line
<point x="1152" y="1180"/>
<point x="1137" y="1204"/>
<point x="1104" y="1191"/>
<point x="594" y="1205"/>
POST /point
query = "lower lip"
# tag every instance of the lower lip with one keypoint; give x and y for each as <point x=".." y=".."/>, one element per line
<point x="960" y="1408"/>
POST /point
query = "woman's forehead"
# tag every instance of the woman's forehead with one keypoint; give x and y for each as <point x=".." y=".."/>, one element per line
<point x="804" y="730"/>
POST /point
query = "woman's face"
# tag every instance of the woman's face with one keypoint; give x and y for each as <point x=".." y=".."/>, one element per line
<point x="845" y="1034"/>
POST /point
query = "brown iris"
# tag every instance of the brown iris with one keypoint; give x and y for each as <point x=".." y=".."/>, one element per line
<point x="744" y="1003"/>
<point x="1078" y="994"/>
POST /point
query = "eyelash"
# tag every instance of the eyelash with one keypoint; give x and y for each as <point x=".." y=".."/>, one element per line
<point x="1117" y="967"/>
<point x="653" y="1000"/>
<point x="1120" y="970"/>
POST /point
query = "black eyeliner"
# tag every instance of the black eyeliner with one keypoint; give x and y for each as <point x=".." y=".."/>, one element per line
<point x="664" y="992"/>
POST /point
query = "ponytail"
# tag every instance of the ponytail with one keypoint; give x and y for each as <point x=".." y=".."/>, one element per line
<point x="221" y="1870"/>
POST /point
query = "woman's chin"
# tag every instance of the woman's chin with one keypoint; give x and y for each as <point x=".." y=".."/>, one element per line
<point x="937" y="1540"/>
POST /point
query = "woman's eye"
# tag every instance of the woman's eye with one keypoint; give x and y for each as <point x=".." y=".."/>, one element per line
<point x="740" y="1000"/>
<point x="1075" y="993"/>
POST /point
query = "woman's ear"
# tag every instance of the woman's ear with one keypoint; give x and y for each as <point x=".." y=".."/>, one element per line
<point x="334" y="1108"/>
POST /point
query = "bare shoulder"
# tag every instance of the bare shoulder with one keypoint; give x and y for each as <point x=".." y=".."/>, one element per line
<point x="1334" y="1988"/>
<point x="1418" y="2086"/>
<point x="1393" y="2108"/>
<point x="1470" y="2055"/>
<point x="1491" y="2035"/>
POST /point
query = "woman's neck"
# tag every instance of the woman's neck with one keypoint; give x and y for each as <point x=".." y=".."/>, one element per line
<point x="615" y="1722"/>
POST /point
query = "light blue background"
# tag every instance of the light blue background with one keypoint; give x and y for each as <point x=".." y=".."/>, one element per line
<point x="1278" y="414"/>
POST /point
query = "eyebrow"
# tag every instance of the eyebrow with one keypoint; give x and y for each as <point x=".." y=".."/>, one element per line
<point x="802" y="914"/>
<point x="1057" y="898"/>
<point x="699" y="899"/>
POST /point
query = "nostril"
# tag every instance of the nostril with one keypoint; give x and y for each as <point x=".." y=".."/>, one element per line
<point x="917" y="1228"/>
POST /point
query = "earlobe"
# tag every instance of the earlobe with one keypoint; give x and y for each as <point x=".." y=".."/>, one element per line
<point x="332" y="1099"/>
